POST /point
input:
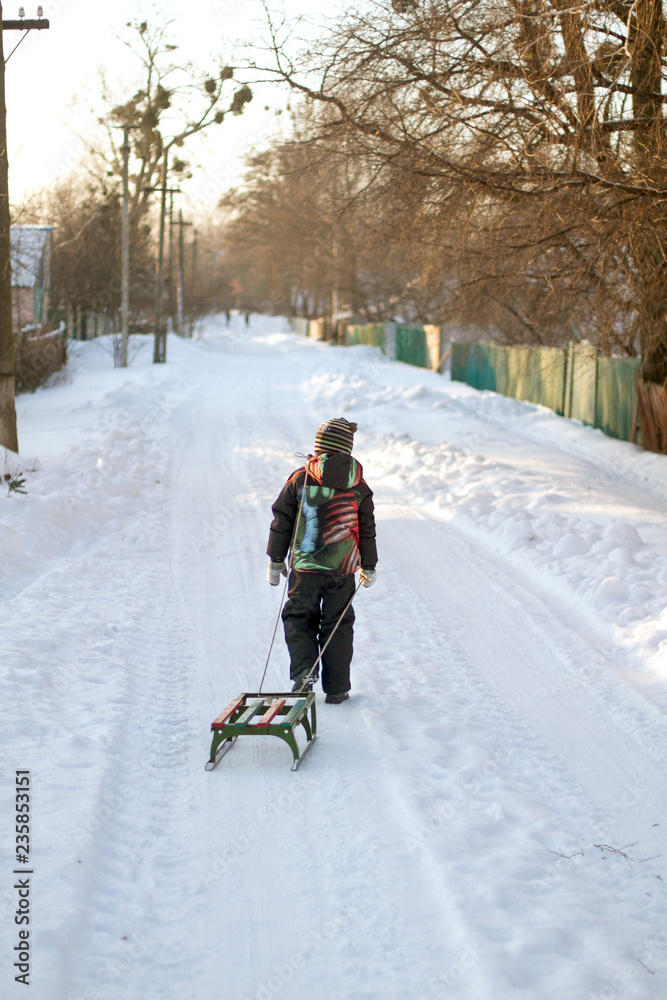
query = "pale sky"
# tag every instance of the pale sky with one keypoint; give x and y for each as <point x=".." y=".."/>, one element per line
<point x="55" y="67"/>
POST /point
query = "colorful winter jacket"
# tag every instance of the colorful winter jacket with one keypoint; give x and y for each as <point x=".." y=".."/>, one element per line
<point x="336" y="529"/>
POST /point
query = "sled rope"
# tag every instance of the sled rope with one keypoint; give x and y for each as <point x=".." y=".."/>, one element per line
<point x="289" y="570"/>
<point x="273" y="637"/>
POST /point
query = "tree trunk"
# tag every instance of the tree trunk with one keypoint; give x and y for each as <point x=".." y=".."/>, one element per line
<point x="160" y="345"/>
<point x="652" y="316"/>
<point x="646" y="44"/>
<point x="8" y="435"/>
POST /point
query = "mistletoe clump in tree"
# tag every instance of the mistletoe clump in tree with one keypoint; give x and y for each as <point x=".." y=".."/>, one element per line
<point x="174" y="102"/>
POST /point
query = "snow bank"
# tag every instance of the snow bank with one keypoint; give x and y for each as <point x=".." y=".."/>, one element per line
<point x="594" y="528"/>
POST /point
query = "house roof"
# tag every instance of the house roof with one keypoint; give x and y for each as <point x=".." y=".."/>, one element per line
<point x="27" y="249"/>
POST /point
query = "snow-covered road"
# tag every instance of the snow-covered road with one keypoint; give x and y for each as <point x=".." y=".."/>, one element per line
<point x="456" y="829"/>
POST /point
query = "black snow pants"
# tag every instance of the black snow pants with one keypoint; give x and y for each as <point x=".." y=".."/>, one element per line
<point x="314" y="605"/>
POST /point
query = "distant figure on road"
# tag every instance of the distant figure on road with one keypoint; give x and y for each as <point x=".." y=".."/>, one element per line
<point x="325" y="515"/>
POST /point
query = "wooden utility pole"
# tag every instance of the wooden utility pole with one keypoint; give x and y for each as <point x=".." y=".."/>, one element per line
<point x="125" y="253"/>
<point x="194" y="262"/>
<point x="170" y="284"/>
<point x="194" y="302"/>
<point x="8" y="431"/>
<point x="181" y="263"/>
<point x="160" y="349"/>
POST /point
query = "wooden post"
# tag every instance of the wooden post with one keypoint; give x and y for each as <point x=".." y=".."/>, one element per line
<point x="194" y="283"/>
<point x="160" y="347"/>
<point x="125" y="254"/>
<point x="635" y="412"/>
<point x="8" y="430"/>
<point x="180" y="311"/>
<point x="170" y="270"/>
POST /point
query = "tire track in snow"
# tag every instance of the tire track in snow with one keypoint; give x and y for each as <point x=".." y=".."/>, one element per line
<point x="524" y="645"/>
<point x="354" y="842"/>
<point x="213" y="576"/>
<point x="255" y="777"/>
<point x="142" y="825"/>
<point x="539" y="766"/>
<point x="109" y="714"/>
<point x="319" y="885"/>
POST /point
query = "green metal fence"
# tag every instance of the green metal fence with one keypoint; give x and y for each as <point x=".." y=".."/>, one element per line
<point x="581" y="382"/>
<point x="372" y="334"/>
<point x="616" y="390"/>
<point x="536" y="375"/>
<point x="576" y="382"/>
<point x="459" y="367"/>
<point x="404" y="343"/>
<point x="411" y="345"/>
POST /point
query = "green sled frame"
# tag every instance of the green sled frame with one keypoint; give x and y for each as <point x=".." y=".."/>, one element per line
<point x="256" y="714"/>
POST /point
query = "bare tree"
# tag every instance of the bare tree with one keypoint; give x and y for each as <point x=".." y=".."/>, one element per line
<point x="307" y="233"/>
<point x="533" y="127"/>
<point x="86" y="251"/>
<point x="175" y="101"/>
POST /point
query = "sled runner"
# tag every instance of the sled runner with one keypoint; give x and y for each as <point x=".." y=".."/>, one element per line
<point x="256" y="714"/>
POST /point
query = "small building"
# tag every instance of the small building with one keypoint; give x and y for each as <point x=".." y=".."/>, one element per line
<point x="31" y="249"/>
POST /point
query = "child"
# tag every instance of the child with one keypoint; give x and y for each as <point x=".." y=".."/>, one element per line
<point x="325" y="513"/>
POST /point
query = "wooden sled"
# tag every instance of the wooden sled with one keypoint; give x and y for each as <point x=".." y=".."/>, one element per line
<point x="254" y="714"/>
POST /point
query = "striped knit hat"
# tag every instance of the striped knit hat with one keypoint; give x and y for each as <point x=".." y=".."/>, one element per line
<point x="335" y="435"/>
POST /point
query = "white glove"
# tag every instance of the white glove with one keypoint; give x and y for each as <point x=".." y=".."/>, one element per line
<point x="367" y="577"/>
<point x="275" y="571"/>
